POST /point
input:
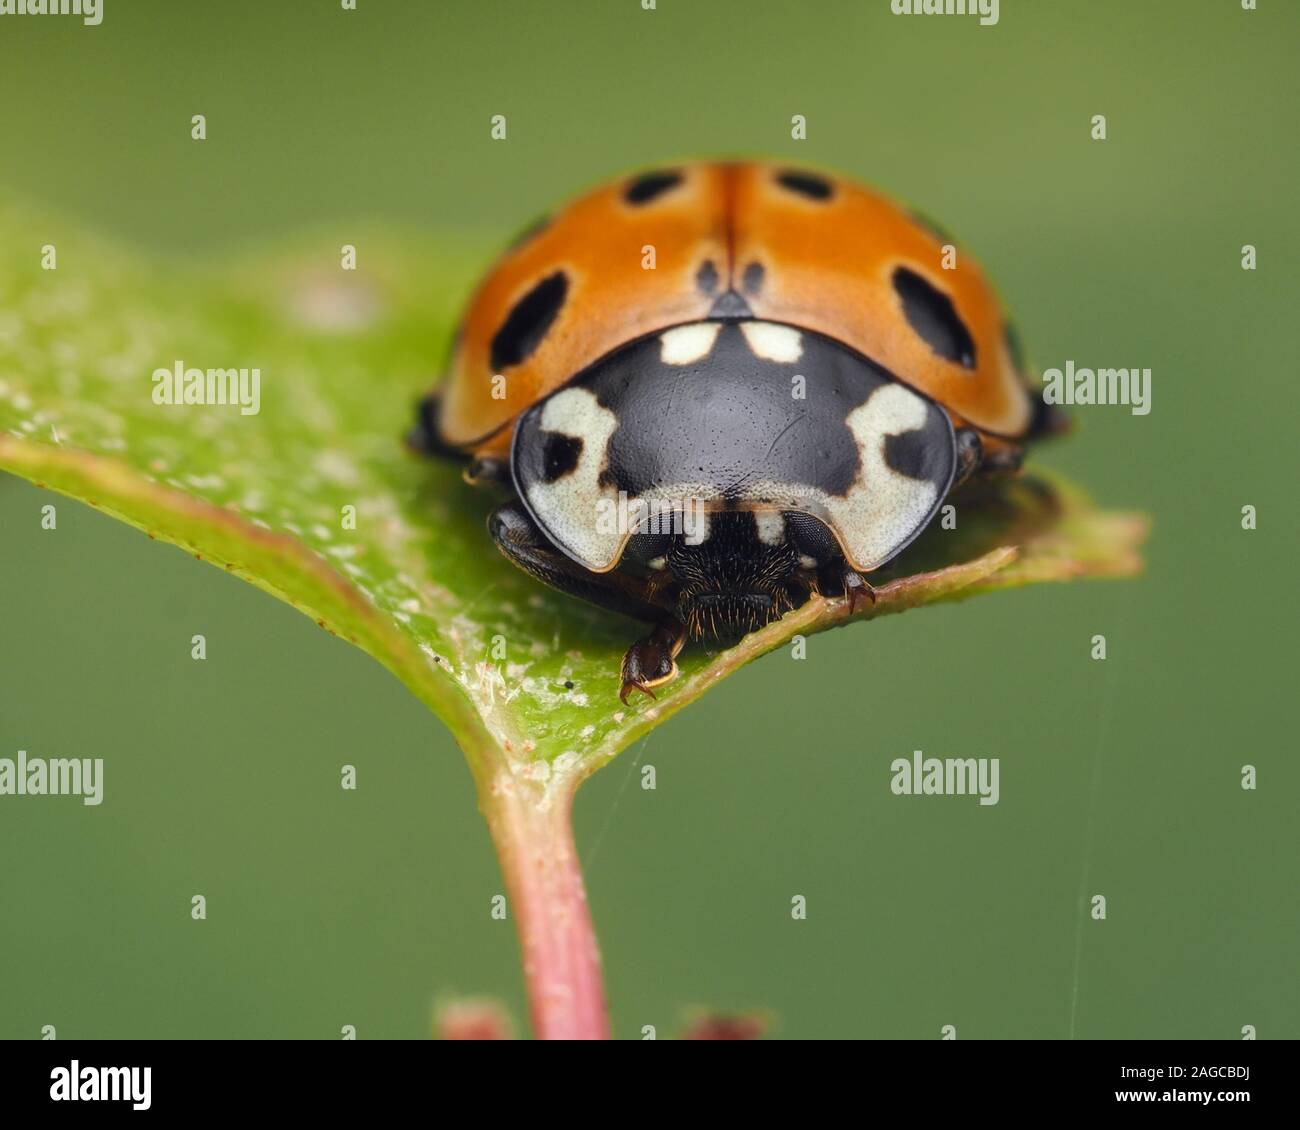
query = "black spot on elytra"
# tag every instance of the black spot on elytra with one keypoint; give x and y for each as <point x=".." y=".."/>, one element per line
<point x="560" y="455"/>
<point x="706" y="278"/>
<point x="528" y="321"/>
<point x="648" y="186"/>
<point x="730" y="306"/>
<point x="752" y="279"/>
<point x="931" y="314"/>
<point x="805" y="184"/>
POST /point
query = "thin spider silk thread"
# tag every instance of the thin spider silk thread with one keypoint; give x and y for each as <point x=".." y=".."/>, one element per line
<point x="609" y="817"/>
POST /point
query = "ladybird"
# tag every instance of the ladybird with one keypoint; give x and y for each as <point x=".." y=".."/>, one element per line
<point x="715" y="389"/>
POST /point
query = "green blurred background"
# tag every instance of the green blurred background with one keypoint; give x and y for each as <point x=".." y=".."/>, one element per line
<point x="1119" y="777"/>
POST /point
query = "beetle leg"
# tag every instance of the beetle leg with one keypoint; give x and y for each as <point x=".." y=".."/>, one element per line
<point x="1048" y="420"/>
<point x="651" y="662"/>
<point x="856" y="588"/>
<point x="1005" y="462"/>
<point x="975" y="460"/>
<point x="970" y="454"/>
<point x="486" y="469"/>
<point x="518" y="537"/>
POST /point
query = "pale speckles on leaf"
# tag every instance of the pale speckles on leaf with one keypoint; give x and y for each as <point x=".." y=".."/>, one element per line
<point x="198" y="484"/>
<point x="334" y="467"/>
<point x="335" y="305"/>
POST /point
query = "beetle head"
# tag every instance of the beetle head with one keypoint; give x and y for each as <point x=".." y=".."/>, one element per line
<point x="731" y="583"/>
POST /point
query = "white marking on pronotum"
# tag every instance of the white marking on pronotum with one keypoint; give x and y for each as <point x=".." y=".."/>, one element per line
<point x="770" y="526"/>
<point x="569" y="507"/>
<point x="686" y="344"/>
<point x="882" y="507"/>
<point x="773" y="342"/>
<point x="879" y="513"/>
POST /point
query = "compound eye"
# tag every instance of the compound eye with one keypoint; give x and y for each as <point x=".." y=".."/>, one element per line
<point x="643" y="549"/>
<point x="811" y="537"/>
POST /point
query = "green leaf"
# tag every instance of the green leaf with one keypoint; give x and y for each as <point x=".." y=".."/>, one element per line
<point x="525" y="678"/>
<point x="343" y="355"/>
